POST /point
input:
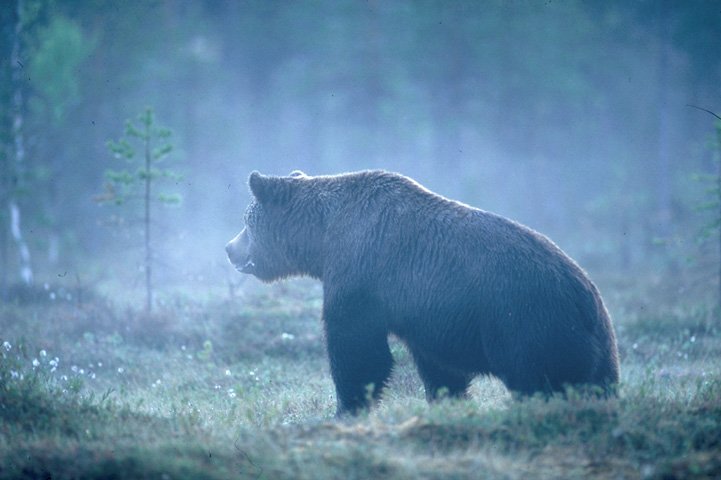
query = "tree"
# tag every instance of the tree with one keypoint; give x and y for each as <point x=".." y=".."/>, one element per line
<point x="713" y="227"/>
<point x="16" y="165"/>
<point x="58" y="50"/>
<point x="144" y="145"/>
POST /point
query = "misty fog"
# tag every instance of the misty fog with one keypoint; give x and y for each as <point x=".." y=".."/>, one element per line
<point x="570" y="117"/>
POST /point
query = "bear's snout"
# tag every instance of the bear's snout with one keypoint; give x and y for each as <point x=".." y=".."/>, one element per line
<point x="238" y="250"/>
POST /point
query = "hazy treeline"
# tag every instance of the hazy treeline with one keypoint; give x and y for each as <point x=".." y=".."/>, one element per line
<point x="569" y="116"/>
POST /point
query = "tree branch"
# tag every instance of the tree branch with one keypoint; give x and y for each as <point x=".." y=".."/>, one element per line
<point x="703" y="110"/>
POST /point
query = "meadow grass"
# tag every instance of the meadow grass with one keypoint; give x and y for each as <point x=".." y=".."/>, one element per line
<point x="239" y="388"/>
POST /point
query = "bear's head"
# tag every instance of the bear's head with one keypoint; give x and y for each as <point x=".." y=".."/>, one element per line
<point x="283" y="229"/>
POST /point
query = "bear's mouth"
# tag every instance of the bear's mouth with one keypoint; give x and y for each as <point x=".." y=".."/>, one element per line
<point x="248" y="267"/>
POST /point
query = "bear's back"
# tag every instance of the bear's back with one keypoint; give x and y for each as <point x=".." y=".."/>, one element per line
<point x="429" y="257"/>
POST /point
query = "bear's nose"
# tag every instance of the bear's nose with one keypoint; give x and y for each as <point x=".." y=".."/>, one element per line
<point x="231" y="251"/>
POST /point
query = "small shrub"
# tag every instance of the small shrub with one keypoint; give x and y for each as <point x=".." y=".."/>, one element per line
<point x="32" y="400"/>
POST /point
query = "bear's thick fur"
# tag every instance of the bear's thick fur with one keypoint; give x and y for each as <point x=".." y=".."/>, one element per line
<point x="469" y="292"/>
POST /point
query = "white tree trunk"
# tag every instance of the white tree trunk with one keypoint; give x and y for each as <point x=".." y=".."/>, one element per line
<point x="26" y="272"/>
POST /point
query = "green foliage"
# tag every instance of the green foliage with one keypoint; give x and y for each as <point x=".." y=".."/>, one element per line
<point x="144" y="145"/>
<point x="207" y="352"/>
<point x="713" y="192"/>
<point x="31" y="399"/>
<point x="59" y="49"/>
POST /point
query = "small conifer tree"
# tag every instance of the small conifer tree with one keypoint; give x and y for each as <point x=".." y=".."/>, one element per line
<point x="144" y="146"/>
<point x="712" y="229"/>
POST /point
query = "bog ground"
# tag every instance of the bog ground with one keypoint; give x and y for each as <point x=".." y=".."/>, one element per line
<point x="217" y="387"/>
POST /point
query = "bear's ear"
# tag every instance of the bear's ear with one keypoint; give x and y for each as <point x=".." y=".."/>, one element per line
<point x="297" y="173"/>
<point x="268" y="189"/>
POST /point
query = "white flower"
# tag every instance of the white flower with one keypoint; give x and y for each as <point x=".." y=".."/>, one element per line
<point x="43" y="353"/>
<point x="7" y="346"/>
<point x="82" y="371"/>
<point x="121" y="369"/>
<point x="74" y="368"/>
<point x="231" y="393"/>
<point x="36" y="363"/>
<point x="287" y="336"/>
<point x="227" y="373"/>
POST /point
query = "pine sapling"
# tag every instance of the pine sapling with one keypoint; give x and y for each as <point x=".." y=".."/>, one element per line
<point x="143" y="147"/>
<point x="712" y="229"/>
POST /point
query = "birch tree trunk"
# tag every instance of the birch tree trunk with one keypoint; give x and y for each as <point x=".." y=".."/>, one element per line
<point x="16" y="65"/>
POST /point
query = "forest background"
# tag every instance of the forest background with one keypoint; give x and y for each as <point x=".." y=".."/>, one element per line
<point x="571" y="117"/>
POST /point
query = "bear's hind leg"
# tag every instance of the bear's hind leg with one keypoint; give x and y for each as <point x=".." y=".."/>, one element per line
<point x="440" y="382"/>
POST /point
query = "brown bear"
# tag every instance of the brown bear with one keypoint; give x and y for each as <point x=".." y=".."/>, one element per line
<point x="469" y="292"/>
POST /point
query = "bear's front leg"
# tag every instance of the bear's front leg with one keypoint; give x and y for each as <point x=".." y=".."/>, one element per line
<point x="360" y="359"/>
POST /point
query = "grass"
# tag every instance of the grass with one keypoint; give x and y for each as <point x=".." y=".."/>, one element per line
<point x="240" y="388"/>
